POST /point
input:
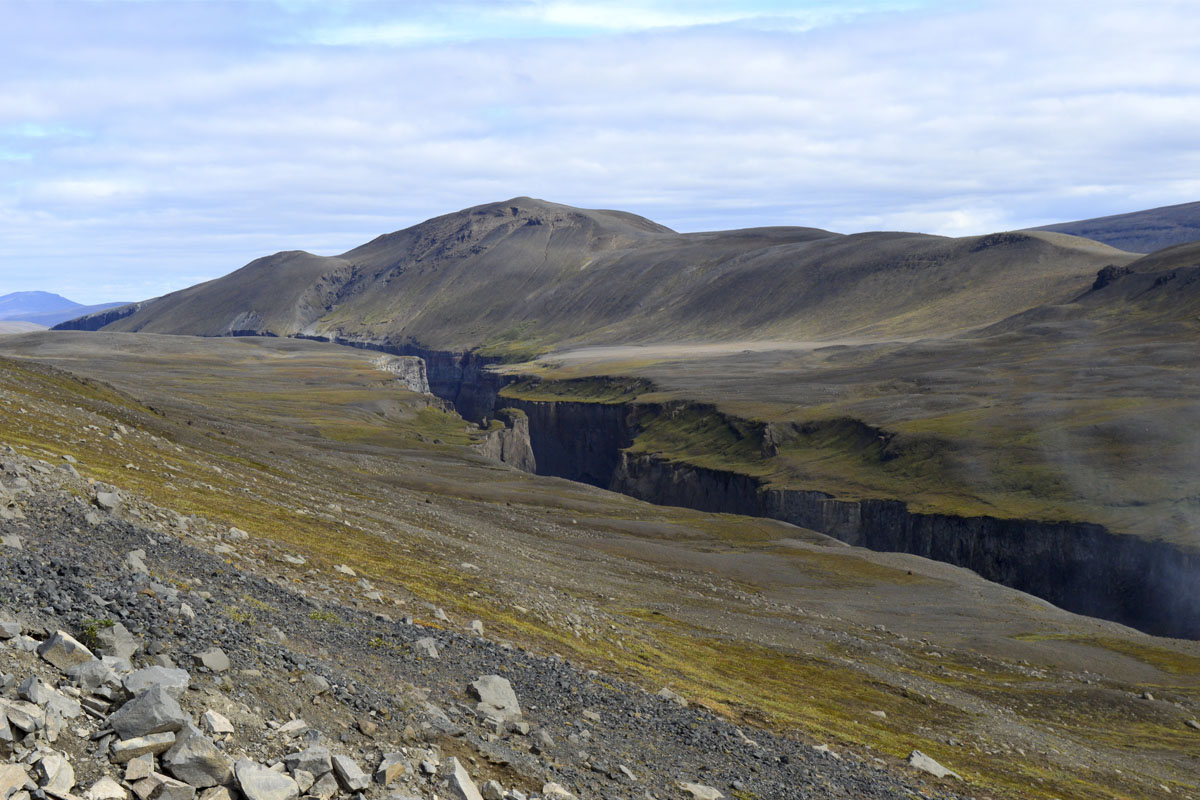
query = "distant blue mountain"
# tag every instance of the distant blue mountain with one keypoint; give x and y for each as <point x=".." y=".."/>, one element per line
<point x="44" y="308"/>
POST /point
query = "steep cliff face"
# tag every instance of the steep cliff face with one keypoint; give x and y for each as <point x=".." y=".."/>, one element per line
<point x="410" y="371"/>
<point x="510" y="443"/>
<point x="578" y="441"/>
<point x="1077" y="566"/>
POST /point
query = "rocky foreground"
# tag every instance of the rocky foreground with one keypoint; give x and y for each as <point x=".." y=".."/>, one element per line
<point x="148" y="655"/>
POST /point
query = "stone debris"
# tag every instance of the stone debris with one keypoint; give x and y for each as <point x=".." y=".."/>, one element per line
<point x="213" y="659"/>
<point x="349" y="775"/>
<point x="195" y="760"/>
<point x="106" y="789"/>
<point x="216" y="723"/>
<point x="924" y="763"/>
<point x="426" y="646"/>
<point x="260" y="783"/>
<point x="64" y="651"/>
<point x="699" y="791"/>
<point x="667" y="694"/>
<point x="496" y="698"/>
<point x="152" y="711"/>
<point x="460" y="784"/>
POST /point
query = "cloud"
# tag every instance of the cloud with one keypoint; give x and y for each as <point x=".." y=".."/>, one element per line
<point x="152" y="143"/>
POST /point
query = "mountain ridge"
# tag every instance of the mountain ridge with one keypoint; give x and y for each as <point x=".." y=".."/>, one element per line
<point x="523" y="275"/>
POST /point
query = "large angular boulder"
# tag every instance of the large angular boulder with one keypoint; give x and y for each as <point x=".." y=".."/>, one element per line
<point x="116" y="640"/>
<point x="174" y="681"/>
<point x="152" y="711"/>
<point x="64" y="651"/>
<point x="315" y="760"/>
<point x="259" y="783"/>
<point x="461" y="785"/>
<point x="196" y="761"/>
<point x="349" y="775"/>
<point x="496" y="698"/>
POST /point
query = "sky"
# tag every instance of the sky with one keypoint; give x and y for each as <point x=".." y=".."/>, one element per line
<point x="146" y="146"/>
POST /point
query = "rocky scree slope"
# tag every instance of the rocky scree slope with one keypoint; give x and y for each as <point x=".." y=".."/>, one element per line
<point x="132" y="665"/>
<point x="523" y="276"/>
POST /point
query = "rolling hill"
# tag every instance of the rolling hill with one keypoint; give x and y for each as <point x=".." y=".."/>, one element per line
<point x="1139" y="231"/>
<point x="524" y="276"/>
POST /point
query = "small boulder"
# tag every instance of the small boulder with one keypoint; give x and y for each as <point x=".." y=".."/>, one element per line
<point x="195" y="760"/>
<point x="426" y="646"/>
<point x="106" y="789"/>
<point x="213" y="658"/>
<point x="108" y="501"/>
<point x="349" y="774"/>
<point x="152" y="711"/>
<point x="699" y="791"/>
<point x="667" y="694"/>
<point x="55" y="774"/>
<point x="461" y="785"/>
<point x="173" y="681"/>
<point x="391" y="768"/>
<point x="116" y="640"/>
<point x="496" y="697"/>
<point x="315" y="759"/>
<point x="128" y="749"/>
<point x="12" y="779"/>
<point x="926" y="764"/>
<point x="216" y="724"/>
<point x="64" y="651"/>
<point x="259" y="783"/>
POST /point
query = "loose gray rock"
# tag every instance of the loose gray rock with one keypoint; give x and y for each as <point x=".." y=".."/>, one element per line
<point x="128" y="749"/>
<point x="12" y="779"/>
<point x="152" y="711"/>
<point x="9" y="629"/>
<point x="391" y="768"/>
<point x="259" y="783"/>
<point x="116" y="640"/>
<point x="426" y="646"/>
<point x="926" y="764"/>
<point x="214" y="658"/>
<point x="216" y="723"/>
<point x="349" y="774"/>
<point x="195" y="760"/>
<point x="106" y="789"/>
<point x="136" y="561"/>
<point x="165" y="788"/>
<point x="64" y="651"/>
<point x="496" y="697"/>
<point x="108" y="501"/>
<point x="315" y="759"/>
<point x="55" y="774"/>
<point x="173" y="681"/>
<point x="492" y="790"/>
<point x="461" y="785"/>
<point x="325" y="787"/>
<point x="667" y="694"/>
<point x="699" y="791"/>
<point x="12" y="541"/>
<point x="139" y="768"/>
<point x="91" y="675"/>
<point x="554" y="790"/>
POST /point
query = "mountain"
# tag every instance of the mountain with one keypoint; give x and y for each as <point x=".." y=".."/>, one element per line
<point x="1139" y="231"/>
<point x="44" y="309"/>
<point x="18" y="304"/>
<point x="526" y="275"/>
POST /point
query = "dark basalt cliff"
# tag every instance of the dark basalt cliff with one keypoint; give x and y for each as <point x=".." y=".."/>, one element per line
<point x="1077" y="566"/>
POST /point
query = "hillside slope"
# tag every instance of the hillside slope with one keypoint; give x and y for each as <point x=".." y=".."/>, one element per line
<point x="525" y="275"/>
<point x="1139" y="231"/>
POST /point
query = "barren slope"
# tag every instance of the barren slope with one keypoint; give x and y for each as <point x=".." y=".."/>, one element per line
<point x="524" y="276"/>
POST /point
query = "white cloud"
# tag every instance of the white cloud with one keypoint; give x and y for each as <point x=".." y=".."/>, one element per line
<point x="149" y="152"/>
